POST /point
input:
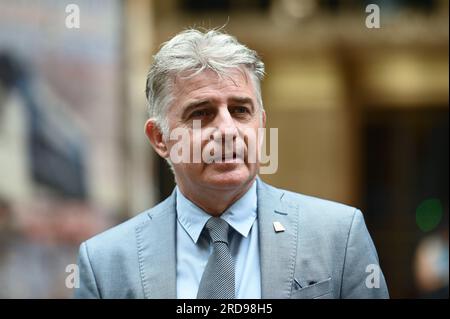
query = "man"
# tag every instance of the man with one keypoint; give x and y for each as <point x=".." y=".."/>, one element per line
<point x="223" y="233"/>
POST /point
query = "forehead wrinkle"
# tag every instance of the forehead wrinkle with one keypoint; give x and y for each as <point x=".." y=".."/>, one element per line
<point x="201" y="87"/>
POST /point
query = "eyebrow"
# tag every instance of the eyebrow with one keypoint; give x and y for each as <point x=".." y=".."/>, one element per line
<point x="203" y="102"/>
<point x="194" y="104"/>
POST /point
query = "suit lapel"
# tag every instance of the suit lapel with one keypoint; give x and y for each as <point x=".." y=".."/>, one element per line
<point x="157" y="251"/>
<point x="277" y="250"/>
<point x="157" y="262"/>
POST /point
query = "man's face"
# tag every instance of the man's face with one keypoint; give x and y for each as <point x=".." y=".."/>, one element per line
<point x="228" y="111"/>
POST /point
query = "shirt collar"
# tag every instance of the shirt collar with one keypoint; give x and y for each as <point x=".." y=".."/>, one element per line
<point x="240" y="215"/>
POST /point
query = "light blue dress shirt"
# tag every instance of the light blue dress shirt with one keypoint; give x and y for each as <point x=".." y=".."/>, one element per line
<point x="194" y="249"/>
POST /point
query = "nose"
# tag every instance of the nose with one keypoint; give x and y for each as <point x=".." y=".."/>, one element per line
<point x="225" y="124"/>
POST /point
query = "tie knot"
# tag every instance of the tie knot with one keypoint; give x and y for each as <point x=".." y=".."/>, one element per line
<point x="218" y="229"/>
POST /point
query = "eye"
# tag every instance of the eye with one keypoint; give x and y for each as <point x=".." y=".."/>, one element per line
<point x="240" y="110"/>
<point x="200" y="113"/>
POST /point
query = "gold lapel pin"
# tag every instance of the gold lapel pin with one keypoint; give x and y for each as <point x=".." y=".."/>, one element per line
<point x="278" y="227"/>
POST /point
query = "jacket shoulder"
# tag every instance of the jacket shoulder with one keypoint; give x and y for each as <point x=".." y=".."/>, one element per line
<point x="315" y="207"/>
<point x="320" y="218"/>
<point x="328" y="208"/>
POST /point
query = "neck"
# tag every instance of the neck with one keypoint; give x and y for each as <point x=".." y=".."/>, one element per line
<point x="215" y="202"/>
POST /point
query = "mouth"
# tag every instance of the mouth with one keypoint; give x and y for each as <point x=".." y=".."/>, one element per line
<point x="229" y="158"/>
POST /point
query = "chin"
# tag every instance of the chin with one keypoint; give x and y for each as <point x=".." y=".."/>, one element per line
<point x="219" y="176"/>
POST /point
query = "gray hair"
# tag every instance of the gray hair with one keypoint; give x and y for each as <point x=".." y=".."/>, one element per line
<point x="195" y="51"/>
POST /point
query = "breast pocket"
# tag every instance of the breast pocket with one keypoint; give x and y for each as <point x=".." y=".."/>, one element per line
<point x="319" y="290"/>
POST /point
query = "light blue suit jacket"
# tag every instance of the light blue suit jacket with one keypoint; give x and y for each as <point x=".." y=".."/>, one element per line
<point x="324" y="252"/>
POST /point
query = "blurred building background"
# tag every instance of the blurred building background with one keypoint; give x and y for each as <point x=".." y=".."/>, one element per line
<point x="362" y="116"/>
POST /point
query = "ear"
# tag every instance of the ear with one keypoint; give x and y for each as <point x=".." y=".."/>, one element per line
<point x="155" y="137"/>
<point x="261" y="136"/>
<point x="263" y="118"/>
